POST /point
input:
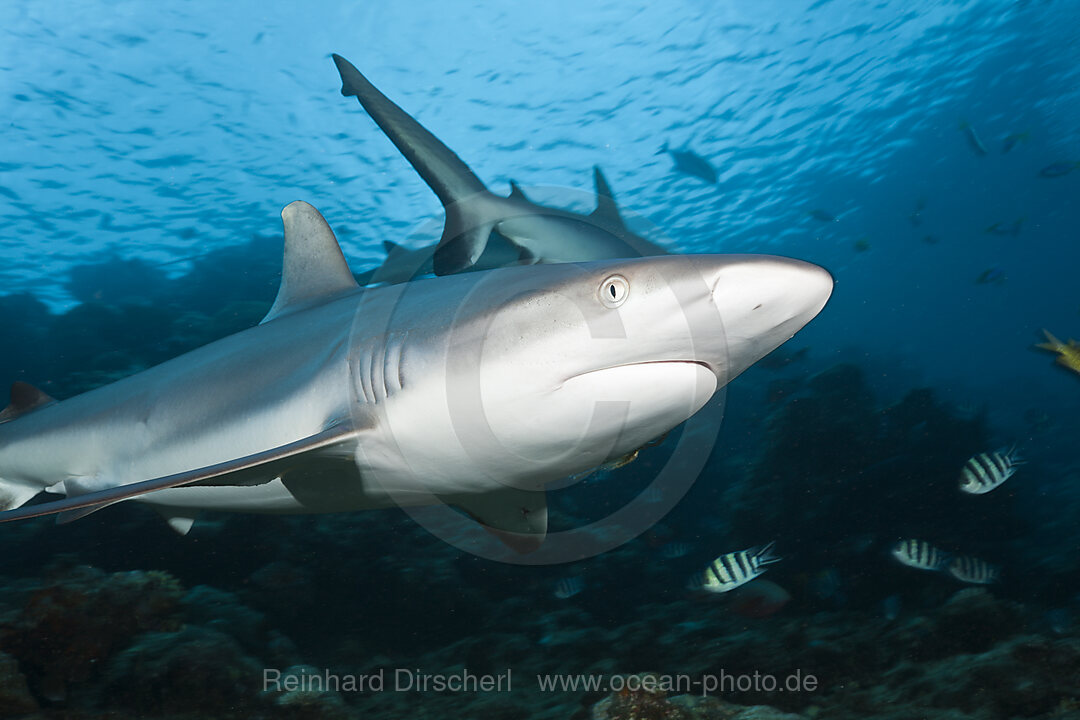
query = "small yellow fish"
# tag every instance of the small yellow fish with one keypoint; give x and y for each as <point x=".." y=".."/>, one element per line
<point x="1068" y="353"/>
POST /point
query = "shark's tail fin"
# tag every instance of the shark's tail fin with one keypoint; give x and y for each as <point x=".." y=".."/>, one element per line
<point x="662" y="150"/>
<point x="458" y="189"/>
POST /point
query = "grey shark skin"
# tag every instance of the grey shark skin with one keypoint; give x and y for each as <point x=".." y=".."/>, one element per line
<point x="474" y="390"/>
<point x="473" y="213"/>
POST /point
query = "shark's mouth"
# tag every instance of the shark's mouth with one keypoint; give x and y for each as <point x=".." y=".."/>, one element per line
<point x="669" y="381"/>
<point x="648" y="367"/>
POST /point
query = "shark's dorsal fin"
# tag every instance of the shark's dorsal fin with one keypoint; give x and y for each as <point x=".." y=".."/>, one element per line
<point x="516" y="193"/>
<point x="606" y="209"/>
<point x="314" y="269"/>
<point x="24" y="398"/>
<point x="390" y="247"/>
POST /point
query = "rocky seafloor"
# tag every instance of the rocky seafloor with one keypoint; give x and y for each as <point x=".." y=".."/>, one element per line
<point x="115" y="616"/>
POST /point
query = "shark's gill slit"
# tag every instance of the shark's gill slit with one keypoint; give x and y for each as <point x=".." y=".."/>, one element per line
<point x="363" y="369"/>
<point x="392" y="365"/>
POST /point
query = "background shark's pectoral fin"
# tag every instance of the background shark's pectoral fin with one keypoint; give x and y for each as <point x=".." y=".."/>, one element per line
<point x="517" y="517"/>
<point x="460" y="249"/>
<point x="314" y="269"/>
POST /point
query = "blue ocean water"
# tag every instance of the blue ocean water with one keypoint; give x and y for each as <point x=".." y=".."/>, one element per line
<point x="841" y="133"/>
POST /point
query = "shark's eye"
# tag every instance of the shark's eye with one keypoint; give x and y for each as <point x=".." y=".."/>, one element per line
<point x="614" y="291"/>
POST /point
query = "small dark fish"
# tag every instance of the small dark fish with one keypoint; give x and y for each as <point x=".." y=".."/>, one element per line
<point x="1010" y="141"/>
<point x="690" y="163"/>
<point x="930" y="239"/>
<point x="1059" y="621"/>
<point x="994" y="276"/>
<point x="1011" y="229"/>
<point x="973" y="138"/>
<point x="675" y="550"/>
<point x="827" y="584"/>
<point x="890" y="607"/>
<point x="973" y="570"/>
<point x="569" y="587"/>
<point x="862" y="244"/>
<point x="1058" y="169"/>
<point x="915" y="218"/>
<point x="822" y="215"/>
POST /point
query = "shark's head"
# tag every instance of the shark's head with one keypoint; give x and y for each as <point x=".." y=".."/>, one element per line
<point x="531" y="374"/>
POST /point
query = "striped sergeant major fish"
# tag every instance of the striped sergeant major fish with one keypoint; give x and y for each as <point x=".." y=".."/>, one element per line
<point x="986" y="471"/>
<point x="919" y="554"/>
<point x="729" y="571"/>
<point x="973" y="570"/>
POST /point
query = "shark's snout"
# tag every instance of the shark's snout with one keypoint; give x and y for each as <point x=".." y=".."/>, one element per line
<point x="763" y="301"/>
<point x="781" y="288"/>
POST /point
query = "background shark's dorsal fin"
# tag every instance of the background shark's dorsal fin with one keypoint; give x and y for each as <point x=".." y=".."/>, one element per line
<point x="390" y="247"/>
<point x="606" y="209"/>
<point x="24" y="398"/>
<point x="516" y="193"/>
<point x="314" y="269"/>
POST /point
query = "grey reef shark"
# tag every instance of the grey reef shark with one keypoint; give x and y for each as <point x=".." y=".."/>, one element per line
<point x="484" y="230"/>
<point x="474" y="390"/>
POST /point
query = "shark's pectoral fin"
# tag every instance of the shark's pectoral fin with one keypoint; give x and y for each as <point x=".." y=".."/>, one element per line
<point x="75" y="487"/>
<point x="274" y="461"/>
<point x="517" y="517"/>
<point x="24" y="398"/>
<point x="314" y="269"/>
<point x="179" y="520"/>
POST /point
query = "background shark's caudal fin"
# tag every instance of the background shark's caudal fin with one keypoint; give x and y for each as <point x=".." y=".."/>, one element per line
<point x="24" y="398"/>
<point x="314" y="270"/>
<point x="441" y="169"/>
<point x="458" y="189"/>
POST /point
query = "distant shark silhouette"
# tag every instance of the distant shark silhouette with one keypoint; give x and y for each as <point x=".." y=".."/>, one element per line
<point x="540" y="234"/>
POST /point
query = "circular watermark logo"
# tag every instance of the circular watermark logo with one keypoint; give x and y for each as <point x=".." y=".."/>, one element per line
<point x="441" y="367"/>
